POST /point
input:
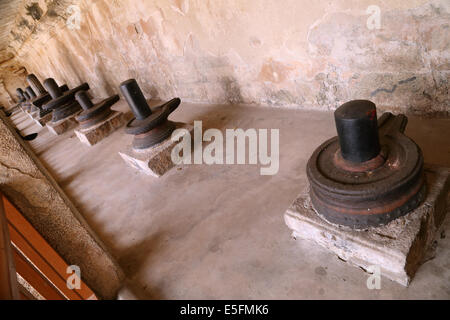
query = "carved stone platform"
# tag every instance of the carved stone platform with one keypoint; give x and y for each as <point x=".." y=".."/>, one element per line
<point x="91" y="136"/>
<point x="63" y="125"/>
<point x="155" y="161"/>
<point x="42" y="121"/>
<point x="398" y="248"/>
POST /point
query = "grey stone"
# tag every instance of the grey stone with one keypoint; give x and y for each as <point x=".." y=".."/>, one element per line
<point x="42" y="121"/>
<point x="399" y="248"/>
<point x="155" y="161"/>
<point x="62" y="126"/>
<point x="91" y="136"/>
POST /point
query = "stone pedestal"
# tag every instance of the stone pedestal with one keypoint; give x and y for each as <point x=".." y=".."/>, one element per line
<point x="42" y="121"/>
<point x="398" y="248"/>
<point x="32" y="115"/>
<point x="155" y="161"/>
<point x="63" y="125"/>
<point x="95" y="134"/>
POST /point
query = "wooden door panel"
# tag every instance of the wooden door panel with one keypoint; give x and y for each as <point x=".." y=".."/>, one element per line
<point x="38" y="261"/>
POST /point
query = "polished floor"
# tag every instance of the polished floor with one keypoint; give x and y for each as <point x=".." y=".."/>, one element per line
<point x="217" y="232"/>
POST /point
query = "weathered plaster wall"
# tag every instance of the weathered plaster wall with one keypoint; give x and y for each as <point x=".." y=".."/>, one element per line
<point x="12" y="77"/>
<point x="297" y="53"/>
<point x="29" y="186"/>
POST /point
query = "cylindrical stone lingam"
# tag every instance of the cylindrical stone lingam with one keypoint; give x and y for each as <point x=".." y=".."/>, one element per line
<point x="84" y="100"/>
<point x="357" y="128"/>
<point x="53" y="88"/>
<point x="34" y="82"/>
<point x="20" y="95"/>
<point x="26" y="95"/>
<point x="93" y="114"/>
<point x="64" y="88"/>
<point x="135" y="99"/>
<point x="41" y="95"/>
<point x="30" y="92"/>
<point x="149" y="127"/>
<point x="63" y="102"/>
<point x="370" y="174"/>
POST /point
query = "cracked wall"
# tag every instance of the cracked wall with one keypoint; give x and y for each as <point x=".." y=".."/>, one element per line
<point x="299" y="54"/>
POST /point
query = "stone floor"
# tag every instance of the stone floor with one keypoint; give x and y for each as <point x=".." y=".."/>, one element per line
<point x="217" y="232"/>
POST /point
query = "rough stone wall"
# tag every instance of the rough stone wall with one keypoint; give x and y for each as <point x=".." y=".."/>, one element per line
<point x="295" y="53"/>
<point x="29" y="186"/>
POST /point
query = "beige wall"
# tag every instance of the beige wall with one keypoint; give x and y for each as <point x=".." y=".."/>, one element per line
<point x="13" y="78"/>
<point x="296" y="53"/>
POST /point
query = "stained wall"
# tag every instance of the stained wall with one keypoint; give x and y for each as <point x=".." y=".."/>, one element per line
<point x="290" y="53"/>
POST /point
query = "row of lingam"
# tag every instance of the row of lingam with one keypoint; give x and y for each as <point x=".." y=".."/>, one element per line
<point x="369" y="198"/>
<point x="60" y="109"/>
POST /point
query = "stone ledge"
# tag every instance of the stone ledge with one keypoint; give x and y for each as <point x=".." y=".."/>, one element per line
<point x="399" y="248"/>
<point x="62" y="126"/>
<point x="97" y="133"/>
<point x="156" y="160"/>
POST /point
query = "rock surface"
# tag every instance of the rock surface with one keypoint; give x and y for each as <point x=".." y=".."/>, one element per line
<point x="63" y="125"/>
<point x="97" y="133"/>
<point x="155" y="161"/>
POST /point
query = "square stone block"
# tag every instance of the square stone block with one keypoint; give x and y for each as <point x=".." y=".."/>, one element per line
<point x="155" y="161"/>
<point x="398" y="248"/>
<point x="95" y="134"/>
<point x="42" y="121"/>
<point x="63" y="125"/>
